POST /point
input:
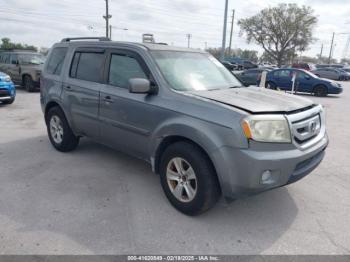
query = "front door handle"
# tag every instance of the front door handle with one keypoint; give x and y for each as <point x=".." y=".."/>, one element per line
<point x="108" y="99"/>
<point x="68" y="88"/>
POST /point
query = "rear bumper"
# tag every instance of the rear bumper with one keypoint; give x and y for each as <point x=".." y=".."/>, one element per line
<point x="240" y="170"/>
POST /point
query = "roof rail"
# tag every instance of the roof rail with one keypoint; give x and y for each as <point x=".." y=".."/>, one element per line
<point x="85" y="38"/>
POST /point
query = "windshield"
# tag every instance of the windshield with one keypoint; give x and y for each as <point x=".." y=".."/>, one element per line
<point x="189" y="71"/>
<point x="34" y="59"/>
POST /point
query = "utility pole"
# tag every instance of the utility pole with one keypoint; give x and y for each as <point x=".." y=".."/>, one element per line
<point x="321" y="53"/>
<point x="107" y="17"/>
<point x="331" y="50"/>
<point x="223" y="47"/>
<point x="233" y="19"/>
<point x="189" y="36"/>
<point x="110" y="32"/>
<point x="205" y="45"/>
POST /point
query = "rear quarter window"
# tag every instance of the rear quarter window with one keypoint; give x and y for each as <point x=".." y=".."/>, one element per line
<point x="56" y="59"/>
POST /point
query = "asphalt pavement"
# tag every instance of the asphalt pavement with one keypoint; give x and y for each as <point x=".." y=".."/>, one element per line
<point x="99" y="201"/>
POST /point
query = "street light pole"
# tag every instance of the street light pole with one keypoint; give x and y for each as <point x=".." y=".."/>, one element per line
<point x="331" y="50"/>
<point x="233" y="19"/>
<point x="223" y="47"/>
<point x="107" y="17"/>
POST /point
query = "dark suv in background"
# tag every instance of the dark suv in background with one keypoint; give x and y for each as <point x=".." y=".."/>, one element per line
<point x="24" y="67"/>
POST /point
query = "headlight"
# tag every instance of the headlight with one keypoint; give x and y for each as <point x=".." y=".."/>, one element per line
<point x="267" y="128"/>
<point x="7" y="79"/>
<point x="335" y="84"/>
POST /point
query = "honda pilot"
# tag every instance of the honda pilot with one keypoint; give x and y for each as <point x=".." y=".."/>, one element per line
<point x="183" y="112"/>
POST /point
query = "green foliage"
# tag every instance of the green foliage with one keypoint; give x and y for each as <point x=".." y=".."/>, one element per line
<point x="281" y="31"/>
<point x="251" y="55"/>
<point x="6" y="44"/>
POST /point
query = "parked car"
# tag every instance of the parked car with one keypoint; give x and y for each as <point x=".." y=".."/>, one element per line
<point x="345" y="72"/>
<point x="241" y="63"/>
<point x="7" y="89"/>
<point x="305" y="66"/>
<point x="305" y="81"/>
<point x="229" y="66"/>
<point x="346" y="69"/>
<point x="251" y="76"/>
<point x="24" y="67"/>
<point x="183" y="112"/>
<point x="329" y="65"/>
<point x="331" y="73"/>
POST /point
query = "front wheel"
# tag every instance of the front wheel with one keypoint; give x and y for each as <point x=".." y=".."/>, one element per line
<point x="8" y="102"/>
<point x="188" y="178"/>
<point x="59" y="131"/>
<point x="320" y="91"/>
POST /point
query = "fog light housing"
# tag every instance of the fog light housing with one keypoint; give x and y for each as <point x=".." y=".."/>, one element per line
<point x="267" y="178"/>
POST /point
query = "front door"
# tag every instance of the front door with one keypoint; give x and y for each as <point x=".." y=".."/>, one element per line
<point x="127" y="119"/>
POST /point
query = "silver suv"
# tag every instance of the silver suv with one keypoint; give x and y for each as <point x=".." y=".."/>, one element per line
<point x="183" y="112"/>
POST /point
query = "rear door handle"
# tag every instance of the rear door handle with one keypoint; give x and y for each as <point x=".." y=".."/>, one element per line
<point x="68" y="88"/>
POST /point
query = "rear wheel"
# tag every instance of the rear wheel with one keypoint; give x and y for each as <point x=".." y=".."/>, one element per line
<point x="28" y="83"/>
<point x="59" y="131"/>
<point x="320" y="91"/>
<point x="188" y="178"/>
<point x="271" y="85"/>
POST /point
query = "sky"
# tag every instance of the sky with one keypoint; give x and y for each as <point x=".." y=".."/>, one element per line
<point x="44" y="22"/>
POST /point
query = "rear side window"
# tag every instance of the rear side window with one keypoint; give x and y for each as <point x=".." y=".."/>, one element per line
<point x="54" y="66"/>
<point x="87" y="66"/>
<point x="123" y="68"/>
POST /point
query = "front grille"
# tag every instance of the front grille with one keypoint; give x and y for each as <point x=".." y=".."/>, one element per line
<point x="307" y="127"/>
<point x="305" y="130"/>
<point x="4" y="92"/>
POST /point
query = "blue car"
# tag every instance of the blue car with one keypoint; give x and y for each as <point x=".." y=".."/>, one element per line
<point x="305" y="82"/>
<point x="7" y="89"/>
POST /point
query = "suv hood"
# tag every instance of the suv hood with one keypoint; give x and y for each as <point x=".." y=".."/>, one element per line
<point x="256" y="99"/>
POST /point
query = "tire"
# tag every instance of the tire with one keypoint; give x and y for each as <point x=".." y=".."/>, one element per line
<point x="28" y="83"/>
<point x="8" y="102"/>
<point x="203" y="180"/>
<point x="271" y="85"/>
<point x="320" y="91"/>
<point x="59" y="131"/>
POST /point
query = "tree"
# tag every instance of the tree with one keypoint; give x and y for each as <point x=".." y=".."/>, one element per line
<point x="6" y="44"/>
<point x="246" y="54"/>
<point x="281" y="30"/>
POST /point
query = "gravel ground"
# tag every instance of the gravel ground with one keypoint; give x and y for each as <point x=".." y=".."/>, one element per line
<point x="98" y="201"/>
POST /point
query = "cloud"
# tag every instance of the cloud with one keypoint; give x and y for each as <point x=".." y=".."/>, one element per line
<point x="44" y="22"/>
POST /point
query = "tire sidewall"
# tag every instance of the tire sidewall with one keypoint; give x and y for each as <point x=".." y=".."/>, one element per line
<point x="69" y="140"/>
<point x="202" y="170"/>
<point x="28" y="83"/>
<point x="321" y="93"/>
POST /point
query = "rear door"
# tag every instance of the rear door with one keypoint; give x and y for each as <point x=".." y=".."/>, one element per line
<point x="81" y="90"/>
<point x="285" y="79"/>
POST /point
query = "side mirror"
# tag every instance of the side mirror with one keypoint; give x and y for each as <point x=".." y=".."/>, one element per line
<point x="307" y="77"/>
<point x="140" y="86"/>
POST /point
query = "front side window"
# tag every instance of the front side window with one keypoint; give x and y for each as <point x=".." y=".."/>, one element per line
<point x="190" y="71"/>
<point x="122" y="69"/>
<point x="55" y="63"/>
<point x="87" y="66"/>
